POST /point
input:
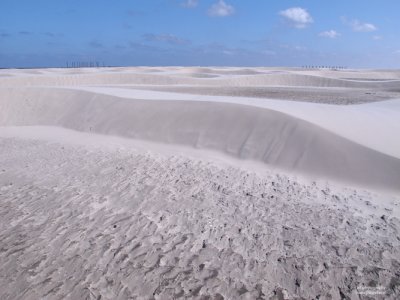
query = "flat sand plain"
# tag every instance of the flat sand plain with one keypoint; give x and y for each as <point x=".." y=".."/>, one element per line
<point x="199" y="183"/>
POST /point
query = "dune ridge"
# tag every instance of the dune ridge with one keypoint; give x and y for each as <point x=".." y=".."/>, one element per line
<point x="242" y="131"/>
<point x="196" y="76"/>
<point x="372" y="124"/>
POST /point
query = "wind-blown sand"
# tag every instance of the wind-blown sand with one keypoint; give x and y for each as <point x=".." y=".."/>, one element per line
<point x="142" y="183"/>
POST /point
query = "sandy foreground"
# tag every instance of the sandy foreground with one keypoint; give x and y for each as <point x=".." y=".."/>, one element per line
<point x="199" y="183"/>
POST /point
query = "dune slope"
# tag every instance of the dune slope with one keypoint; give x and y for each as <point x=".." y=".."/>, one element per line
<point x="246" y="132"/>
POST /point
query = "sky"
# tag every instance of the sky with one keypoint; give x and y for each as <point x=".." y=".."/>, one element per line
<point x="348" y="33"/>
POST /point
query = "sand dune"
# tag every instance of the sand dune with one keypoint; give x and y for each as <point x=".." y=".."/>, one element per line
<point x="93" y="79"/>
<point x="158" y="183"/>
<point x="220" y="71"/>
<point x="355" y="74"/>
<point x="337" y="96"/>
<point x="88" y="222"/>
<point x="307" y="80"/>
<point x="199" y="75"/>
<point x="373" y="125"/>
<point x="227" y="78"/>
<point x="243" y="131"/>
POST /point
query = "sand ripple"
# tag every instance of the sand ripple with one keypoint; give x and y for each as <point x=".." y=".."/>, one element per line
<point x="80" y="222"/>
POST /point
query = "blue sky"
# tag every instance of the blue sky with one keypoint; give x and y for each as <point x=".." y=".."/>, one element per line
<point x="353" y="33"/>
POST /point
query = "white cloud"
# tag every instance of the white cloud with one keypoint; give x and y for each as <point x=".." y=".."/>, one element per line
<point x="329" y="34"/>
<point x="221" y="9"/>
<point x="397" y="52"/>
<point x="359" y="26"/>
<point x="376" y="37"/>
<point x="190" y="3"/>
<point x="297" y="16"/>
<point x="363" y="27"/>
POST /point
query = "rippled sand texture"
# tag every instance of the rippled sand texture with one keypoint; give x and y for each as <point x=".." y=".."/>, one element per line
<point x="143" y="183"/>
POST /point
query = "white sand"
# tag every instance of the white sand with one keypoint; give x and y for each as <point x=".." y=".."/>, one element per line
<point x="373" y="125"/>
<point x="109" y="188"/>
